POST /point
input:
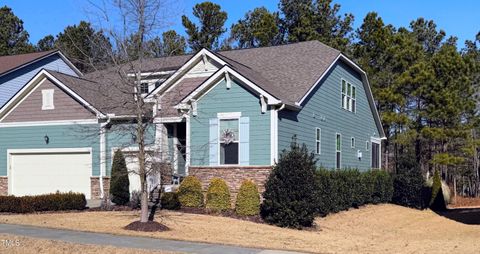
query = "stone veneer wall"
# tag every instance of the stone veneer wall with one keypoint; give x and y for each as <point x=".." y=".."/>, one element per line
<point x="95" y="186"/>
<point x="3" y="185"/>
<point x="234" y="176"/>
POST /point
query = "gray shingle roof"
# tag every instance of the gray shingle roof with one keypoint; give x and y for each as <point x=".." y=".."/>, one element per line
<point x="9" y="63"/>
<point x="286" y="71"/>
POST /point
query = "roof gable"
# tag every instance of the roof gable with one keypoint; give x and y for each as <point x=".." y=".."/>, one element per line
<point x="65" y="107"/>
<point x="35" y="82"/>
<point x="14" y="62"/>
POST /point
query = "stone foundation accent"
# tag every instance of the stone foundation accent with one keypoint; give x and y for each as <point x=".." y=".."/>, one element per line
<point x="95" y="186"/>
<point x="234" y="176"/>
<point x="3" y="185"/>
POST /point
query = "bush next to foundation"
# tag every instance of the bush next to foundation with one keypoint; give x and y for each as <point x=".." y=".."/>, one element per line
<point x="190" y="192"/>
<point x="248" y="199"/>
<point x="48" y="202"/>
<point x="218" y="196"/>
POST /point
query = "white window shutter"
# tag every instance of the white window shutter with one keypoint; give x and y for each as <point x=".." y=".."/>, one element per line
<point x="244" y="133"/>
<point x="213" y="142"/>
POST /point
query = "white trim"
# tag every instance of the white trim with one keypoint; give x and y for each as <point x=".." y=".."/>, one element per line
<point x="338" y="151"/>
<point x="14" y="106"/>
<point x="175" y="148"/>
<point x="173" y="119"/>
<point x="377" y="141"/>
<point x="273" y="136"/>
<point x="49" y="123"/>
<point x="70" y="64"/>
<point x="154" y="73"/>
<point x="318" y="141"/>
<point x="47" y="99"/>
<point x="318" y="81"/>
<point x="343" y="104"/>
<point x="185" y="67"/>
<point x="11" y="152"/>
<point x="366" y="85"/>
<point x="229" y="115"/>
<point x="187" y="144"/>
<point x="103" y="155"/>
<point x="20" y="96"/>
<point x="212" y="81"/>
<point x="65" y="59"/>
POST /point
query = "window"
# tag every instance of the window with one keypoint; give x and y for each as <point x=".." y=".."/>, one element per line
<point x="318" y="137"/>
<point x="47" y="99"/>
<point x="144" y="88"/>
<point x="348" y="96"/>
<point x="375" y="155"/>
<point x="367" y="145"/>
<point x="338" y="147"/>
<point x="228" y="141"/>
<point x="352" y="142"/>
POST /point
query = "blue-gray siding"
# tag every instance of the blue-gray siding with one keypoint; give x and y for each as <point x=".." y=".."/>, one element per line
<point x="236" y="99"/>
<point x="323" y="109"/>
<point x="60" y="136"/>
<point x="11" y="83"/>
<point x="120" y="136"/>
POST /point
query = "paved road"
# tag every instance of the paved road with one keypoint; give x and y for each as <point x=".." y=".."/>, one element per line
<point x="129" y="241"/>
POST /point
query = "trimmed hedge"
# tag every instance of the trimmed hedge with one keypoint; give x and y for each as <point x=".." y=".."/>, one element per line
<point x="47" y="202"/>
<point x="218" y="196"/>
<point x="190" y="192"/>
<point x="169" y="201"/>
<point x="248" y="199"/>
<point x="409" y="187"/>
<point x="338" y="190"/>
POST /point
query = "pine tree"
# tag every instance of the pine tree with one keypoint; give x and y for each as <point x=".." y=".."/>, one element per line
<point x="13" y="37"/>
<point x="207" y="34"/>
<point x="119" y="183"/>
<point x="259" y="28"/>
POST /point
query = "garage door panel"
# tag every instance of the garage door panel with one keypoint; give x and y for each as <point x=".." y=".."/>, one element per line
<point x="41" y="173"/>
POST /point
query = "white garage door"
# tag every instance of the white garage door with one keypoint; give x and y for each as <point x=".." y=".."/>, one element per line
<point x="47" y="172"/>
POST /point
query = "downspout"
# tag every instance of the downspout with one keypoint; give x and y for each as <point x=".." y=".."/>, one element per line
<point x="103" y="150"/>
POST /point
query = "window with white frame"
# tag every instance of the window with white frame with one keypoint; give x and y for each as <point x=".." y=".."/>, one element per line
<point x="375" y="155"/>
<point x="348" y="96"/>
<point x="338" y="148"/>
<point x="352" y="142"/>
<point x="228" y="142"/>
<point x="318" y="140"/>
<point x="47" y="99"/>
<point x="144" y="88"/>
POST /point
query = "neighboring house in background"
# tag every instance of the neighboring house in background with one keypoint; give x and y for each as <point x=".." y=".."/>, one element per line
<point x="222" y="114"/>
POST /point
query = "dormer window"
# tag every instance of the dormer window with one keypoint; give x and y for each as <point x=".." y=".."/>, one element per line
<point x="47" y="99"/>
<point x="144" y="88"/>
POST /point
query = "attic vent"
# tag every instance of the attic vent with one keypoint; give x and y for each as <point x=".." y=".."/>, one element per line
<point x="205" y="61"/>
<point x="47" y="99"/>
<point x="228" y="80"/>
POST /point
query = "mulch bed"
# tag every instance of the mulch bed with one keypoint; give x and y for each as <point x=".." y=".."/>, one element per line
<point x="149" y="226"/>
<point x="229" y="214"/>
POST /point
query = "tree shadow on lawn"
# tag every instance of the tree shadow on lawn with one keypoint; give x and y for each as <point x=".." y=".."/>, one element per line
<point x="470" y="216"/>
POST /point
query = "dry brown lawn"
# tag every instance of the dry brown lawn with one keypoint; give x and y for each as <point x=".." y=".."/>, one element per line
<point x="22" y="245"/>
<point x="371" y="229"/>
